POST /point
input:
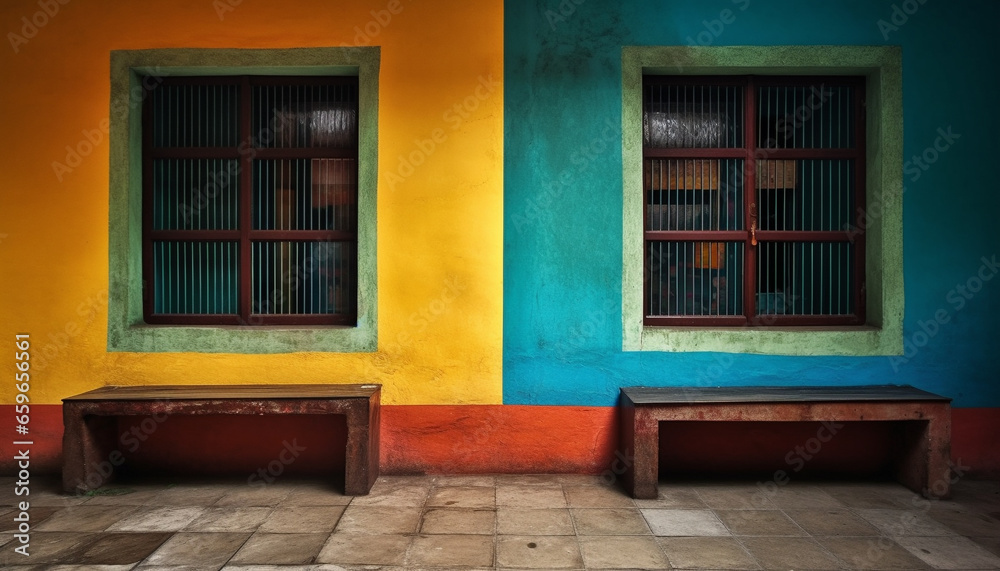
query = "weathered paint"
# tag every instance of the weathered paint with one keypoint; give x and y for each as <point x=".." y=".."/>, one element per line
<point x="563" y="199"/>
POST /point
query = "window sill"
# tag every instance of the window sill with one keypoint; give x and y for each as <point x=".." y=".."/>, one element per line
<point x="862" y="340"/>
<point x="243" y="339"/>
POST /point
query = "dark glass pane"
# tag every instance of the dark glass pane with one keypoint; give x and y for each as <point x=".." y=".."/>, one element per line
<point x="805" y="278"/>
<point x="692" y="116"/>
<point x="304" y="278"/>
<point x="817" y="116"/>
<point x="694" y="278"/>
<point x="305" y="115"/>
<point x="195" y="115"/>
<point x="195" y="277"/>
<point x="305" y="194"/>
<point x="195" y="194"/>
<point x="694" y="194"/>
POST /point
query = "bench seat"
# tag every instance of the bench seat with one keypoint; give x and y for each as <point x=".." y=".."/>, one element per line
<point x="90" y="428"/>
<point x="923" y="463"/>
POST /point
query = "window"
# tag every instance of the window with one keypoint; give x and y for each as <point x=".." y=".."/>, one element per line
<point x="774" y="322"/>
<point x="752" y="189"/>
<point x="250" y="200"/>
<point x="302" y="216"/>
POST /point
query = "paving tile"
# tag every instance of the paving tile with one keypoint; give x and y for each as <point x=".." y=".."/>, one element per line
<point x="871" y="553"/>
<point x="302" y="519"/>
<point x="394" y="494"/>
<point x="115" y="548"/>
<point x="622" y="552"/>
<point x="158" y="519"/>
<point x="182" y="568"/>
<point x="952" y="552"/>
<point x="964" y="521"/>
<point x="458" y="521"/>
<point x="462" y="497"/>
<point x="281" y="548"/>
<point x="317" y="496"/>
<point x="188" y="496"/>
<point x="198" y="549"/>
<point x="706" y="553"/>
<point x="527" y="480"/>
<point x="991" y="544"/>
<point x="530" y="496"/>
<point x="586" y="480"/>
<point x="800" y="496"/>
<point x="379" y="519"/>
<point x="122" y="495"/>
<point x="85" y="518"/>
<point x="367" y="549"/>
<point x="734" y="497"/>
<point x="673" y="497"/>
<point x="229" y="519"/>
<point x="470" y="480"/>
<point x="35" y="517"/>
<point x="904" y="522"/>
<point x="520" y="521"/>
<point x="758" y="522"/>
<point x="597" y="497"/>
<point x="88" y="567"/>
<point x="871" y="496"/>
<point x="538" y="552"/>
<point x="451" y="550"/>
<point x="789" y="553"/>
<point x="684" y="522"/>
<point x="832" y="522"/>
<point x="44" y="547"/>
<point x="255" y="496"/>
<point x="608" y="521"/>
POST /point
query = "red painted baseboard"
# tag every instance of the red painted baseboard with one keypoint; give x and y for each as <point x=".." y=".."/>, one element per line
<point x="478" y="439"/>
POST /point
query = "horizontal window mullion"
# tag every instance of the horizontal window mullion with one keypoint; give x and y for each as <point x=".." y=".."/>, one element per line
<point x="698" y="235"/>
<point x="778" y="320"/>
<point x="694" y="153"/>
<point x="194" y="153"/>
<point x="302" y="319"/>
<point x="803" y="236"/>
<point x="193" y="235"/>
<point x="302" y="153"/>
<point x="768" y="153"/>
<point x="689" y="320"/>
<point x="194" y="319"/>
<point x="302" y="236"/>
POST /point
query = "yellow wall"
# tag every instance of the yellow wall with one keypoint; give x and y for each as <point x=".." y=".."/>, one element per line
<point x="439" y="227"/>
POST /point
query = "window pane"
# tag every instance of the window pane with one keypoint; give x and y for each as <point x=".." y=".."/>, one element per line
<point x="818" y="116"/>
<point x="694" y="194"/>
<point x="195" y="194"/>
<point x="805" y="278"/>
<point x="810" y="195"/>
<point x="195" y="115"/>
<point x="304" y="278"/>
<point x="692" y="116"/>
<point x="305" y="115"/>
<point x="305" y="194"/>
<point x="694" y="278"/>
<point x="195" y="277"/>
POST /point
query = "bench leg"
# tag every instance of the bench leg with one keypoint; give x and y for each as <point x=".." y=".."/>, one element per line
<point x="361" y="461"/>
<point x="643" y="449"/>
<point x="923" y="461"/>
<point x="87" y="443"/>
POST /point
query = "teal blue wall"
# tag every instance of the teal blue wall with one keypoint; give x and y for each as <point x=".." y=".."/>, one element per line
<point x="563" y="193"/>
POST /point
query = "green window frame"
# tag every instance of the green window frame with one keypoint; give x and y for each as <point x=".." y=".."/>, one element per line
<point x="881" y="334"/>
<point x="135" y="71"/>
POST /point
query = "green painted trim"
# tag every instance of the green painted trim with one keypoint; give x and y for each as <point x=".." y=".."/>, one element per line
<point x="126" y="330"/>
<point x="882" y="65"/>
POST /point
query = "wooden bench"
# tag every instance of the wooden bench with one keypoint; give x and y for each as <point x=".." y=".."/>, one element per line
<point x="91" y="439"/>
<point x="923" y="464"/>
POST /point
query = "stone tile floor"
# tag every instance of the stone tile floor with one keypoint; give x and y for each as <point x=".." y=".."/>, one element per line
<point x="501" y="522"/>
